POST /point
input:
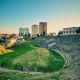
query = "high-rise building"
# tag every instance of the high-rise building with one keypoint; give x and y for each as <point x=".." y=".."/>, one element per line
<point x="34" y="29"/>
<point x="42" y="28"/>
<point x="23" y="31"/>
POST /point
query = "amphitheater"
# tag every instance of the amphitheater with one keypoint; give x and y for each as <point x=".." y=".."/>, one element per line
<point x="67" y="46"/>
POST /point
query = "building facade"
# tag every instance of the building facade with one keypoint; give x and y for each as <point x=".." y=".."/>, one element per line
<point x="43" y="28"/>
<point x="70" y="31"/>
<point x="23" y="31"/>
<point x="34" y="29"/>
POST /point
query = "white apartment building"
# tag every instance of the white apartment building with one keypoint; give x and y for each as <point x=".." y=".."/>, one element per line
<point x="70" y="31"/>
<point x="23" y="31"/>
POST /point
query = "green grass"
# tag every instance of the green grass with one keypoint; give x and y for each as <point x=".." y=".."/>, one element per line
<point x="7" y="59"/>
<point x="27" y="76"/>
<point x="14" y="76"/>
<point x="31" y="57"/>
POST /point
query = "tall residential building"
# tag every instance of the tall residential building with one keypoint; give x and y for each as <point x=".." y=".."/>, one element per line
<point x="23" y="31"/>
<point x="34" y="29"/>
<point x="42" y="27"/>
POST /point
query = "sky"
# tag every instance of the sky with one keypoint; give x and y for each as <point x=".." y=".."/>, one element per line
<point x="24" y="13"/>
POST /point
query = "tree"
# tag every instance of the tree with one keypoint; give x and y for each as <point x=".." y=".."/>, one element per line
<point x="29" y="35"/>
<point x="78" y="30"/>
<point x="44" y="33"/>
<point x="38" y="35"/>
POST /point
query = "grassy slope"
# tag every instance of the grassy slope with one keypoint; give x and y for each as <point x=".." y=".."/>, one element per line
<point x="32" y="57"/>
<point x="7" y="59"/>
<point x="55" y="62"/>
<point x="27" y="76"/>
<point x="40" y="58"/>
